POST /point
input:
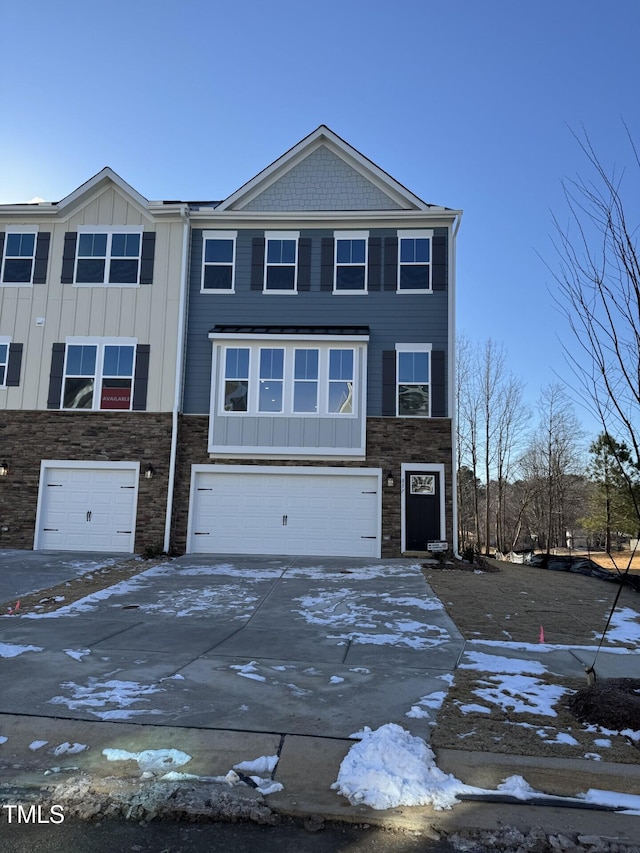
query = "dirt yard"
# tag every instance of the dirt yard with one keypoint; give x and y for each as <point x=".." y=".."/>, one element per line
<point x="514" y="604"/>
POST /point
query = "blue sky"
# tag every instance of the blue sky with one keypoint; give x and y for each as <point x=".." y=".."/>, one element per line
<point x="469" y="104"/>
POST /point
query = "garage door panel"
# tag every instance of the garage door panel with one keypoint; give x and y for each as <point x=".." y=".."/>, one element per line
<point x="285" y="513"/>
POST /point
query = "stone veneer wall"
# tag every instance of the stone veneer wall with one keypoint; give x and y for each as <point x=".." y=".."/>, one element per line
<point x="27" y="437"/>
<point x="390" y="442"/>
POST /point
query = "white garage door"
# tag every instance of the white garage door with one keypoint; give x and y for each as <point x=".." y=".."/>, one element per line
<point x="87" y="509"/>
<point x="288" y="511"/>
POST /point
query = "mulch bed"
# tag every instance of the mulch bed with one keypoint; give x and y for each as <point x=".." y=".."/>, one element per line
<point x="613" y="703"/>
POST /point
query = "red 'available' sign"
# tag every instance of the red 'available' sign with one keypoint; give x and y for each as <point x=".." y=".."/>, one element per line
<point x="115" y="398"/>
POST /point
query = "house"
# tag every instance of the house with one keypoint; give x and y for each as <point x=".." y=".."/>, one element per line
<point x="89" y="337"/>
<point x="318" y="382"/>
<point x="271" y="373"/>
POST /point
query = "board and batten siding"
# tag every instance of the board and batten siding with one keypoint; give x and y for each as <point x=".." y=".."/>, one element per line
<point x="392" y="317"/>
<point x="148" y="312"/>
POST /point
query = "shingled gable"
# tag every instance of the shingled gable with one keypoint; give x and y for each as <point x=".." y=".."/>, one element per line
<point x="322" y="172"/>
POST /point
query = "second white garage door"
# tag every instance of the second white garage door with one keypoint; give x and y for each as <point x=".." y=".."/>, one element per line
<point x="277" y="510"/>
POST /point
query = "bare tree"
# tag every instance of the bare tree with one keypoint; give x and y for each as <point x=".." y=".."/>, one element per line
<point x="554" y="467"/>
<point x="491" y="421"/>
<point x="598" y="277"/>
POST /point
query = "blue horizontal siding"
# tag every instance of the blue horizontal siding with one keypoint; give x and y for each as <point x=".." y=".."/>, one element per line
<point x="392" y="317"/>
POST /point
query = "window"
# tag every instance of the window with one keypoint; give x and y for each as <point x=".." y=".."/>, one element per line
<point x="341" y="381"/>
<point x="19" y="257"/>
<point x="289" y="378"/>
<point x="271" y="381"/>
<point x="107" y="257"/>
<point x="305" y="383"/>
<point x="236" y="379"/>
<point x="4" y="363"/>
<point x="414" y="267"/>
<point x="281" y="260"/>
<point x="413" y="399"/>
<point x="218" y="261"/>
<point x="351" y="261"/>
<point x="98" y="375"/>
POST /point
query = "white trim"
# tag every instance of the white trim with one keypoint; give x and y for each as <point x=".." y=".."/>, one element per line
<point x="261" y="450"/>
<point x="19" y="229"/>
<point x="351" y="236"/>
<point x="415" y="234"/>
<point x="109" y="230"/>
<point x="408" y="347"/>
<point x="433" y="468"/>
<point x="100" y="344"/>
<point x="289" y="471"/>
<point x="290" y="236"/>
<point x="323" y="136"/>
<point x="218" y="235"/>
<point x="253" y="379"/>
<point x="46" y="464"/>
<point x="5" y="340"/>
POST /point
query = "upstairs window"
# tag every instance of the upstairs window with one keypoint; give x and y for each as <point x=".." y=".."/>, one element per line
<point x="413" y="398"/>
<point x="281" y="261"/>
<point x="236" y="379"/>
<point x="98" y="375"/>
<point x="414" y="266"/>
<point x="108" y="258"/>
<point x="305" y="381"/>
<point x="218" y="261"/>
<point x="19" y="257"/>
<point x="341" y="381"/>
<point x="351" y="261"/>
<point x="4" y="363"/>
<point x="271" y="380"/>
<point x="288" y="379"/>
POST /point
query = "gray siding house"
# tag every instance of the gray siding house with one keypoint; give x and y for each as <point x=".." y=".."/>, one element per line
<point x="271" y="373"/>
<point x="317" y="396"/>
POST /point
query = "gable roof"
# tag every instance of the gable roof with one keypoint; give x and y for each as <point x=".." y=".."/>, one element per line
<point x="383" y="186"/>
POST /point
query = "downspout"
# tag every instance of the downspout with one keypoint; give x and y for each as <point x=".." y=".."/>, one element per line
<point x="182" y="310"/>
<point x="452" y="384"/>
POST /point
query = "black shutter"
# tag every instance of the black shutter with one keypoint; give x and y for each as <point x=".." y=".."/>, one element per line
<point x="1" y="247"/>
<point x="438" y="385"/>
<point x="68" y="259"/>
<point x="147" y="257"/>
<point x="304" y="263"/>
<point x="42" y="258"/>
<point x="389" y="383"/>
<point x="374" y="271"/>
<point x="14" y="365"/>
<point x="141" y="379"/>
<point x="390" y="263"/>
<point x="439" y="263"/>
<point x="257" y="263"/>
<point x="56" y="376"/>
<point x="326" y="264"/>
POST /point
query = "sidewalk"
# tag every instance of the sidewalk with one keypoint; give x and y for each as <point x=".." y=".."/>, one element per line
<point x="228" y="660"/>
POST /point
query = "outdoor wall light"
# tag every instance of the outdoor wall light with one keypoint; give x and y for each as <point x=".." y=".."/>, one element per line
<point x="149" y="472"/>
<point x="4" y="469"/>
<point x="390" y="480"/>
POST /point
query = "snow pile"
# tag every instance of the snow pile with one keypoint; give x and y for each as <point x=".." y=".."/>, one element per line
<point x="150" y="761"/>
<point x="390" y="767"/>
<point x="12" y="650"/>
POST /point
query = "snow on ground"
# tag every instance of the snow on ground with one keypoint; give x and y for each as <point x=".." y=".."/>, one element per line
<point x="98" y="694"/>
<point x="624" y="627"/>
<point x="12" y="650"/>
<point x="374" y="619"/>
<point x="389" y="768"/>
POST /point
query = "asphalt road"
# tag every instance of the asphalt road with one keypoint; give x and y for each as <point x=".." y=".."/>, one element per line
<point x="128" y="837"/>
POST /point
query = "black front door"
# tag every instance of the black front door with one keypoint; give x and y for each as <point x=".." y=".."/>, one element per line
<point x="422" y="509"/>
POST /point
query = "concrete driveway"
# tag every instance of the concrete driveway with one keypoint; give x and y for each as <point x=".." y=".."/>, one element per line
<point x="22" y="572"/>
<point x="259" y="644"/>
